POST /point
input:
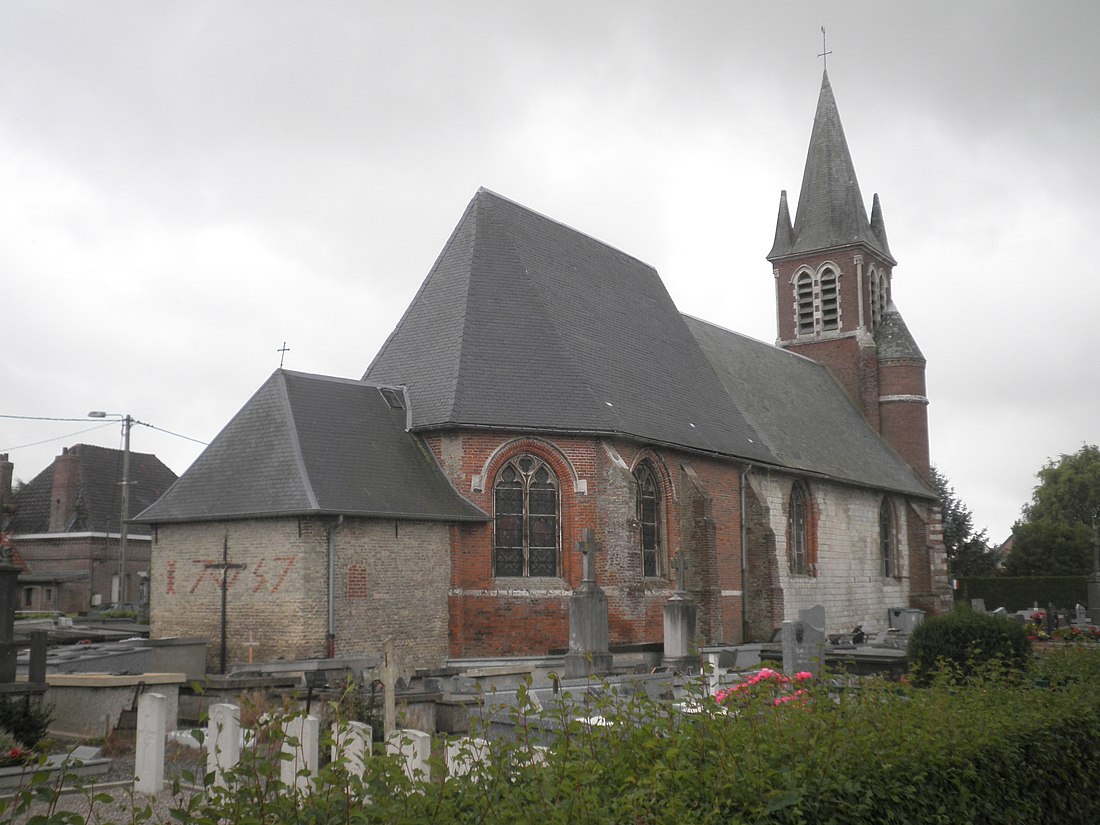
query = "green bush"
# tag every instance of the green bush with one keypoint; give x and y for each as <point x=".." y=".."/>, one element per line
<point x="25" y="719"/>
<point x="987" y="751"/>
<point x="962" y="643"/>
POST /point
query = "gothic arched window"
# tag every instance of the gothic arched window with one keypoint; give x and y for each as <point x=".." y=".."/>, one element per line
<point x="799" y="555"/>
<point x="526" y="519"/>
<point x="649" y="520"/>
<point x="887" y="539"/>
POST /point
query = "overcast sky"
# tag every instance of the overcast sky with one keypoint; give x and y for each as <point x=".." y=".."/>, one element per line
<point x="185" y="185"/>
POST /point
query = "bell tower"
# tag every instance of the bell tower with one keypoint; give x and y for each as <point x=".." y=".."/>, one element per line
<point x="833" y="282"/>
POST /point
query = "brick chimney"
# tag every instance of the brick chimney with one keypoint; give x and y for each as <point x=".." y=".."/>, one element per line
<point x="66" y="486"/>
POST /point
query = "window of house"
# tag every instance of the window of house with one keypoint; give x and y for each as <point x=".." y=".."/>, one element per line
<point x="28" y="597"/>
<point x="649" y="508"/>
<point x="526" y="519"/>
<point x="798" y="533"/>
<point x="887" y="538"/>
<point x="47" y="595"/>
<point x="830" y="312"/>
<point x="805" y="299"/>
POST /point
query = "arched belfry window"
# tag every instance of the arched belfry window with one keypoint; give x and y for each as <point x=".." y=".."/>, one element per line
<point x="527" y="531"/>
<point x="805" y="298"/>
<point x="799" y="524"/>
<point x="879" y="298"/>
<point x="649" y="520"/>
<point x="830" y="309"/>
<point x="887" y="539"/>
<point x="817" y="302"/>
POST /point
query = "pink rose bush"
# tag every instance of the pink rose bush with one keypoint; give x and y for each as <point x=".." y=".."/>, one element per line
<point x="786" y="689"/>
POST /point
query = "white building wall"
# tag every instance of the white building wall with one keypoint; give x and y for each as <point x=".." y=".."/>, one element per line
<point x="848" y="583"/>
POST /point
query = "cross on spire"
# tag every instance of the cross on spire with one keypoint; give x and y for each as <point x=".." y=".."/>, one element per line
<point x="283" y="350"/>
<point x="824" y="52"/>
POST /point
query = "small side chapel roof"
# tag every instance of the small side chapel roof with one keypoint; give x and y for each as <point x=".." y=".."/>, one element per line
<point x="314" y="445"/>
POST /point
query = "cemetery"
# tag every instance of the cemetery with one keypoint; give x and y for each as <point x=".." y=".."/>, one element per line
<point x="808" y="727"/>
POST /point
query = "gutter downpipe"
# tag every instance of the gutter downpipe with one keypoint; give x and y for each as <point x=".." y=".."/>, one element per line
<point x="330" y="635"/>
<point x="744" y="561"/>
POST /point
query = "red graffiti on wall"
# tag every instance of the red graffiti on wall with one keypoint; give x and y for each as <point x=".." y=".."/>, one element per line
<point x="210" y="570"/>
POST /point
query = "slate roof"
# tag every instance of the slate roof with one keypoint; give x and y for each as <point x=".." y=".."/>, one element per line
<point x="524" y="323"/>
<point x="802" y="414"/>
<point x="314" y="445"/>
<point x="894" y="339"/>
<point x="98" y="506"/>
<point x="830" y="207"/>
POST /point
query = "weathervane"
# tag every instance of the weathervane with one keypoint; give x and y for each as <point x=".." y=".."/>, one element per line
<point x="824" y="52"/>
<point x="283" y="350"/>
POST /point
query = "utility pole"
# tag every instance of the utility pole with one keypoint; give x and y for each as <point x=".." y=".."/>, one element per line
<point x="123" y="527"/>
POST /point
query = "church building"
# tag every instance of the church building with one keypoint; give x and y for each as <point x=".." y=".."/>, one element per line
<point x="542" y="384"/>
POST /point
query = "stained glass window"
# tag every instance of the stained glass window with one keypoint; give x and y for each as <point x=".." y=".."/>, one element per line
<point x="648" y="521"/>
<point x="526" y="507"/>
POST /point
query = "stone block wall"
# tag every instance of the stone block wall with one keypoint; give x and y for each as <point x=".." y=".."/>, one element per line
<point x="390" y="580"/>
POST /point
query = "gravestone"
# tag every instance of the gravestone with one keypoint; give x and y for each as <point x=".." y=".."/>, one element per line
<point x="977" y="605"/>
<point x="589" y="653"/>
<point x="1050" y="621"/>
<point x="1081" y="616"/>
<point x="680" y="622"/>
<point x="804" y="642"/>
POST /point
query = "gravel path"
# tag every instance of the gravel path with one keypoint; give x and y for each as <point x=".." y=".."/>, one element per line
<point x="118" y="785"/>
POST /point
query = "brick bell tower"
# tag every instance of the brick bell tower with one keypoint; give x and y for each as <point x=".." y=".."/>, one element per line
<point x="833" y="284"/>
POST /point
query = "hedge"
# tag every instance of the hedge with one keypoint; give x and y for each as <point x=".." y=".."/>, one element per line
<point x="1021" y="592"/>
<point x="990" y="750"/>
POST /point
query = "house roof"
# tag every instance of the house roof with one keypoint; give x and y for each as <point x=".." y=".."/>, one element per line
<point x="524" y="323"/>
<point x="313" y="445"/>
<point x="98" y="505"/>
<point x="830" y="211"/>
<point x="801" y="413"/>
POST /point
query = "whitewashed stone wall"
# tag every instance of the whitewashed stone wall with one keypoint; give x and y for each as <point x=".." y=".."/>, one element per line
<point x="391" y="579"/>
<point x="849" y="581"/>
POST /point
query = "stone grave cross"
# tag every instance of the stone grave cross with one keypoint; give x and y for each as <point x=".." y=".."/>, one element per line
<point x="681" y="566"/>
<point x="589" y="547"/>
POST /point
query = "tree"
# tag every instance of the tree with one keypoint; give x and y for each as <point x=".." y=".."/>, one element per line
<point x="968" y="553"/>
<point x="1054" y="538"/>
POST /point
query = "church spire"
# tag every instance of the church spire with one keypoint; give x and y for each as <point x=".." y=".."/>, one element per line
<point x="782" y="244"/>
<point x="830" y="206"/>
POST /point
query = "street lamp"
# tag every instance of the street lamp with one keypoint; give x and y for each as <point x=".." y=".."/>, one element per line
<point x="123" y="527"/>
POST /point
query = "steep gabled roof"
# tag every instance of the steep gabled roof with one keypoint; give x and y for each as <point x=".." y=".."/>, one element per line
<point x="98" y="505"/>
<point x="524" y="323"/>
<point x="314" y="445"/>
<point x="894" y="339"/>
<point x="802" y="414"/>
<point x="830" y="211"/>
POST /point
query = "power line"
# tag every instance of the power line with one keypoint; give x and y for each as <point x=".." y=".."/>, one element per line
<point x="58" y="438"/>
<point x="88" y="430"/>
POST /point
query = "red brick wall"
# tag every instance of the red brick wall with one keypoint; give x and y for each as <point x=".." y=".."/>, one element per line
<point x="700" y="515"/>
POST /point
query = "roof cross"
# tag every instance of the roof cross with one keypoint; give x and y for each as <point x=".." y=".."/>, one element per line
<point x="824" y="52"/>
<point x="283" y="350"/>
